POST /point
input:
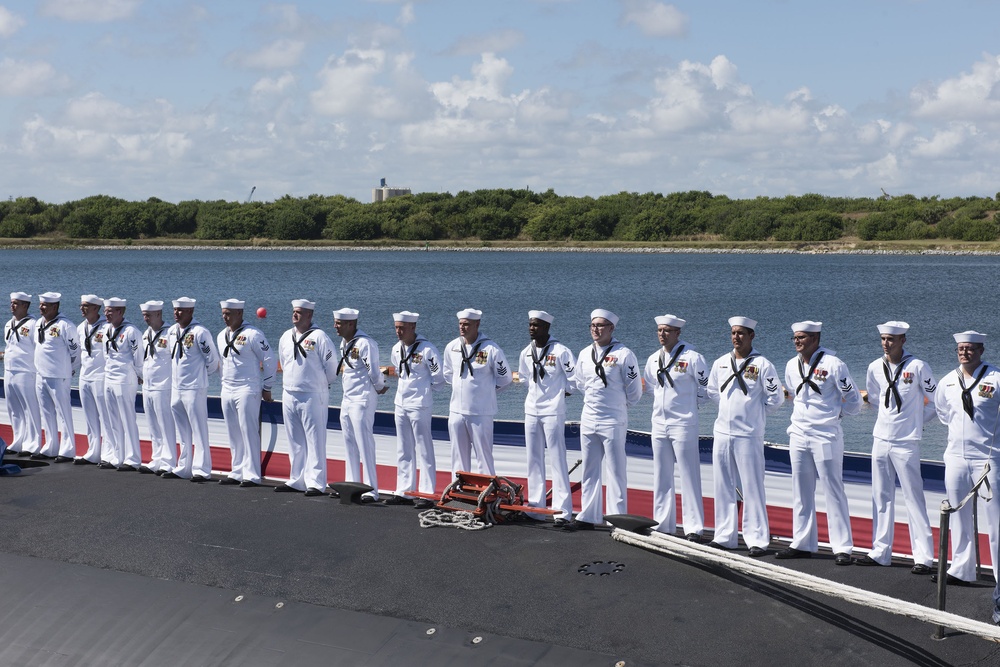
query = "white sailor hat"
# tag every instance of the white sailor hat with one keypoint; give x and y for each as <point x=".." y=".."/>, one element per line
<point x="970" y="337"/>
<point x="807" y="326"/>
<point x="232" y="304"/>
<point x="184" y="302"/>
<point x="540" y="315"/>
<point x="745" y="322"/>
<point x="405" y="316"/>
<point x="92" y="299"/>
<point x="893" y="328"/>
<point x="114" y="302"/>
<point x="345" y="314"/>
<point x="49" y="297"/>
<point x="670" y="321"/>
<point x="606" y="314"/>
<point x="20" y="296"/>
<point x="304" y="303"/>
<point x="151" y="306"/>
<point x="469" y="314"/>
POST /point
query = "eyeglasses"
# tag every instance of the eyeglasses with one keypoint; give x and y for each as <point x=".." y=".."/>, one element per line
<point x="796" y="339"/>
<point x="599" y="326"/>
<point x="966" y="350"/>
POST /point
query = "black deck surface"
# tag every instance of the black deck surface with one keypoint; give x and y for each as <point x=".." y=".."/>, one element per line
<point x="106" y="568"/>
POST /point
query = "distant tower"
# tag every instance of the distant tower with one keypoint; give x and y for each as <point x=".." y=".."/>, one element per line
<point x="384" y="192"/>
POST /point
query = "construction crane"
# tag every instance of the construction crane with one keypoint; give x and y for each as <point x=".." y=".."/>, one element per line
<point x="250" y="196"/>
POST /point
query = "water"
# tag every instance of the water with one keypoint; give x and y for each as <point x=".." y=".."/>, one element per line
<point x="850" y="294"/>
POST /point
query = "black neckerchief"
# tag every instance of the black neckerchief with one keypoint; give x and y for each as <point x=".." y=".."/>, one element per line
<point x="967" y="393"/>
<point x="112" y="341"/>
<point x="87" y="341"/>
<point x="298" y="343"/>
<point x="347" y="351"/>
<point x="664" y="371"/>
<point x="538" y="362"/>
<point x="599" y="363"/>
<point x="151" y="343"/>
<point x="467" y="359"/>
<point x="45" y="327"/>
<point x="178" y="350"/>
<point x="807" y="377"/>
<point x="738" y="373"/>
<point x="13" y="327"/>
<point x="230" y="340"/>
<point x="892" y="390"/>
<point x="406" y="357"/>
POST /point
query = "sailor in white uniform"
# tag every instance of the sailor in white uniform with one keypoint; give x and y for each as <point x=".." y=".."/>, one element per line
<point x="823" y="391"/>
<point x="746" y="387"/>
<point x="194" y="357"/>
<point x="19" y="377"/>
<point x="547" y="367"/>
<point x="418" y="367"/>
<point x="677" y="378"/>
<point x="476" y="369"/>
<point x="248" y="367"/>
<point x="156" y="390"/>
<point x="309" y="362"/>
<point x="91" y="334"/>
<point x="362" y="383"/>
<point x="902" y="387"/>
<point x="57" y="358"/>
<point x="122" y="374"/>
<point x="608" y="375"/>
<point x="968" y="403"/>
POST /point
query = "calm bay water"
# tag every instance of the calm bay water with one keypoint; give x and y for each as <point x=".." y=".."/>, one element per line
<point x="850" y="294"/>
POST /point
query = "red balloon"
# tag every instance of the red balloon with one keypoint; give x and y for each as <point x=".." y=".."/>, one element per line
<point x="262" y="312"/>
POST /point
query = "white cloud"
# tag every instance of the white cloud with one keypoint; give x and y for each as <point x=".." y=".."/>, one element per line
<point x="406" y="14"/>
<point x="495" y="42"/>
<point x="350" y="86"/>
<point x="654" y="19"/>
<point x="489" y="78"/>
<point x="271" y="86"/>
<point x="19" y="78"/>
<point x="945" y="143"/>
<point x="91" y="11"/>
<point x="970" y="95"/>
<point x="280" y="54"/>
<point x="9" y="22"/>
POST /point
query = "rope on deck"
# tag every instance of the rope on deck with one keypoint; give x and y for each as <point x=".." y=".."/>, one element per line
<point x="674" y="546"/>
<point x="464" y="520"/>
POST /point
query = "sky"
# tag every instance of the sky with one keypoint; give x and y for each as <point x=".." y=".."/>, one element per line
<point x="185" y="100"/>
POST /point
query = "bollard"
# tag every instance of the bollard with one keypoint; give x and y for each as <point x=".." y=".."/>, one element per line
<point x="942" y="582"/>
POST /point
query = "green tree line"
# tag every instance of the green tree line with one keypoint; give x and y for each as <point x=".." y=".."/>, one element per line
<point x="501" y="214"/>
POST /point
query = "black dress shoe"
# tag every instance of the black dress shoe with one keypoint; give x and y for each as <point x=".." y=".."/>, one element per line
<point x="757" y="552"/>
<point x="720" y="547"/>
<point x="104" y="465"/>
<point x="83" y="462"/>
<point x="246" y="484"/>
<point x="335" y="494"/>
<point x="425" y="504"/>
<point x="866" y="560"/>
<point x="368" y="500"/>
<point x="284" y="488"/>
<point x="10" y="452"/>
<point x="229" y="481"/>
<point x="398" y="500"/>
<point x="170" y="475"/>
<point x="558" y="522"/>
<point x="126" y="468"/>
<point x="146" y="470"/>
<point x="24" y="455"/>
<point x="694" y="537"/>
<point x="843" y="559"/>
<point x="582" y="525"/>
<point x="920" y="568"/>
<point x="951" y="580"/>
<point x="39" y="457"/>
<point x="313" y="492"/>
<point x="790" y="552"/>
<point x="63" y="459"/>
<point x="198" y="479"/>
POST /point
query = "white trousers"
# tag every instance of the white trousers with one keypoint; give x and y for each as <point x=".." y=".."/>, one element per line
<point x="190" y="410"/>
<point x="22" y="408"/>
<point x="356" y="423"/>
<point x="819" y="457"/>
<point x="600" y="442"/>
<point x="470" y="432"/>
<point x="959" y="476"/>
<point x="156" y="403"/>
<point x="53" y="403"/>
<point x="541" y="433"/>
<point x="241" y="410"/>
<point x="889" y="461"/>
<point x="677" y="446"/>
<point x="100" y="446"/>
<point x="120" y="399"/>
<point x="732" y="455"/>
<point x="305" y="416"/>
<point x="414" y="444"/>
